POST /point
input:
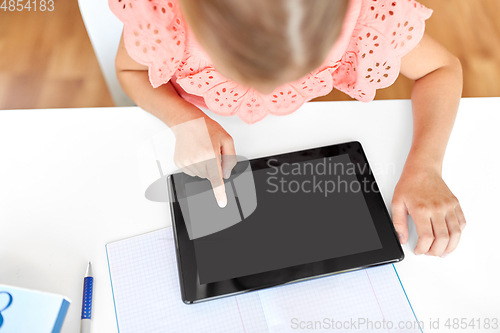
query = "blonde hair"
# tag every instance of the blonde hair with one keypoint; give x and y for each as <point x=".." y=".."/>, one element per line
<point x="263" y="39"/>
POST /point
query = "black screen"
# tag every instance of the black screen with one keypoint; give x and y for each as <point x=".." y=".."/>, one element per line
<point x="306" y="212"/>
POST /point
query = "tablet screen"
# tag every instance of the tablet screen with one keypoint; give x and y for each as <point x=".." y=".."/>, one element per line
<point x="306" y="212"/>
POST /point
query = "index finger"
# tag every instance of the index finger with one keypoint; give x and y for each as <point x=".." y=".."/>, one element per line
<point x="214" y="175"/>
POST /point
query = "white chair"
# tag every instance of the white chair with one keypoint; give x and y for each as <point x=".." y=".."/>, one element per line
<point x="104" y="31"/>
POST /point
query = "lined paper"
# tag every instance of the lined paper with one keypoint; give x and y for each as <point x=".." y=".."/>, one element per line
<point x="147" y="294"/>
<point x="360" y="301"/>
<point x="147" y="297"/>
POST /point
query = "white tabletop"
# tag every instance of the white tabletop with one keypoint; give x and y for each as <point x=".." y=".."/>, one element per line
<point x="70" y="183"/>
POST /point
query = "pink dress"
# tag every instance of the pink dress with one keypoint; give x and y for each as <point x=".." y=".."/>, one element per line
<point x="375" y="35"/>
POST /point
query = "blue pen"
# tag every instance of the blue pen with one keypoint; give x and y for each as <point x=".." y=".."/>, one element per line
<point x="88" y="284"/>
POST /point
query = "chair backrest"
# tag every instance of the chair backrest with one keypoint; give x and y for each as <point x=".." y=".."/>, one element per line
<point x="104" y="30"/>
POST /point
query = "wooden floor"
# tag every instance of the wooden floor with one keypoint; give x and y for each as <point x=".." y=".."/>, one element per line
<point x="47" y="61"/>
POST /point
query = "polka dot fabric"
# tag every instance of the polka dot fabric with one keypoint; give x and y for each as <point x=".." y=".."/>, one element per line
<point x="376" y="34"/>
<point x="154" y="35"/>
<point x="385" y="31"/>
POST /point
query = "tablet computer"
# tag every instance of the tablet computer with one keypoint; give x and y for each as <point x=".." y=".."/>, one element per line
<point x="308" y="214"/>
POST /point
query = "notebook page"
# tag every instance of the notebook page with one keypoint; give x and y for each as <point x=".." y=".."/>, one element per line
<point x="147" y="297"/>
<point x="369" y="300"/>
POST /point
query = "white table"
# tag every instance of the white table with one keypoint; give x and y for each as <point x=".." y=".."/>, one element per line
<point x="69" y="184"/>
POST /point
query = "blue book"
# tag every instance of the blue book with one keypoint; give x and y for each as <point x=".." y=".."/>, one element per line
<point x="25" y="310"/>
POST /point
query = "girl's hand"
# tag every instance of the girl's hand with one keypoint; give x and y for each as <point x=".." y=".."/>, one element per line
<point x="200" y="141"/>
<point x="204" y="149"/>
<point x="438" y="217"/>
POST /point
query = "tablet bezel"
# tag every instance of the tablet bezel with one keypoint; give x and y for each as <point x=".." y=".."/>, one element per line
<point x="192" y="291"/>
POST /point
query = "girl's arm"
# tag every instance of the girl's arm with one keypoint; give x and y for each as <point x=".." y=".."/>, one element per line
<point x="163" y="102"/>
<point x="421" y="190"/>
<point x="199" y="139"/>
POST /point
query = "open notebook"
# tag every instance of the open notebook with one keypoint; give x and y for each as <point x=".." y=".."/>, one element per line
<point x="147" y="298"/>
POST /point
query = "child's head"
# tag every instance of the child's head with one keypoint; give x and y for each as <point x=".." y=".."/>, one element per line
<point x="265" y="43"/>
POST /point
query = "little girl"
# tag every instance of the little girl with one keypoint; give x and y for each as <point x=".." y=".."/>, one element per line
<point x="252" y="58"/>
